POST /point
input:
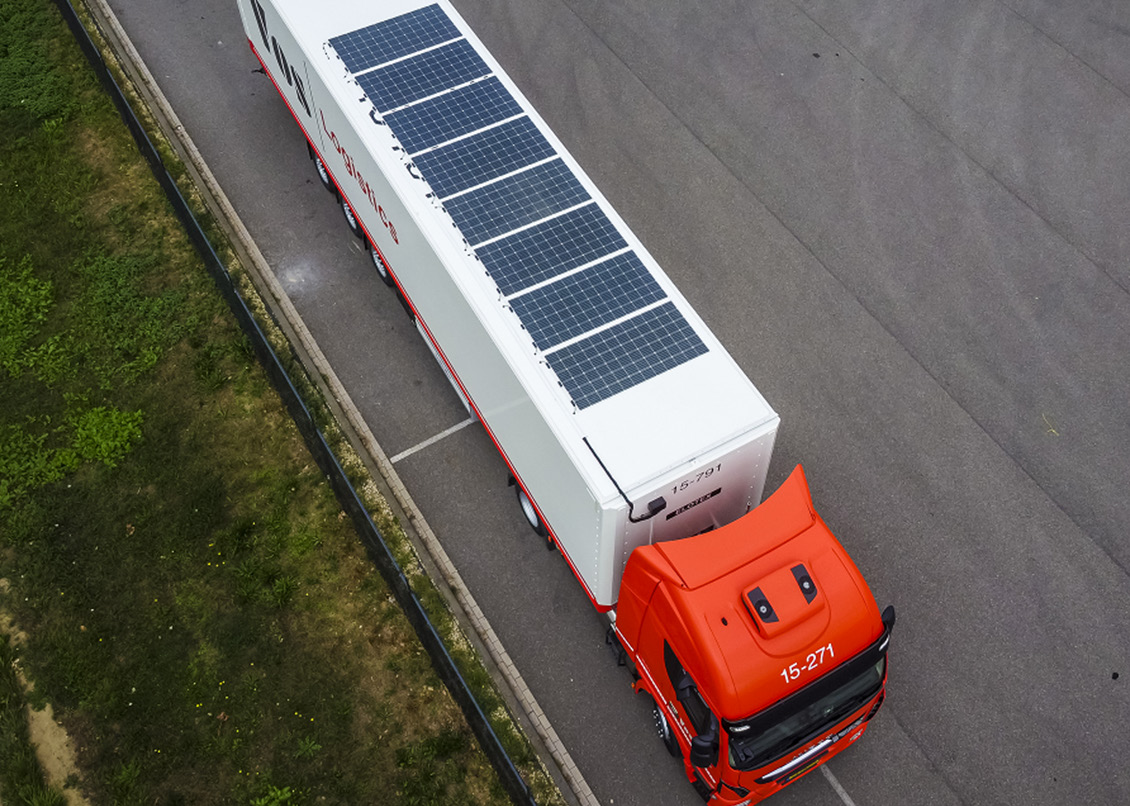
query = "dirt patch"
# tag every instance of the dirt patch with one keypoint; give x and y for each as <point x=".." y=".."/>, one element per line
<point x="55" y="751"/>
<point x="53" y="746"/>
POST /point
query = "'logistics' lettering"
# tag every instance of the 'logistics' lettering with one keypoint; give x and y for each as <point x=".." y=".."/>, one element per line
<point x="352" y="169"/>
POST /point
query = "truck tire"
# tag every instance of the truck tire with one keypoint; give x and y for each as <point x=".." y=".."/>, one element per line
<point x="663" y="728"/>
<point x="531" y="514"/>
<point x="324" y="175"/>
<point x="379" y="264"/>
<point x="351" y="219"/>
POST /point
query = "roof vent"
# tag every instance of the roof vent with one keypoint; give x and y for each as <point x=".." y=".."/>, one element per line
<point x="807" y="586"/>
<point x="782" y="599"/>
<point x="759" y="606"/>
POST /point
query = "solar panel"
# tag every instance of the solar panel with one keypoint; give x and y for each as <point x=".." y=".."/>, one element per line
<point x="550" y="248"/>
<point x="564" y="266"/>
<point x="420" y="76"/>
<point x="391" y="39"/>
<point x="453" y="114"/>
<point x="626" y="355"/>
<point x="483" y="156"/>
<point x="515" y="201"/>
<point x="586" y="300"/>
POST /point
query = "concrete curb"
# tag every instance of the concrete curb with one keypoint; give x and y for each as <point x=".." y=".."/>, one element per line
<point x="438" y="565"/>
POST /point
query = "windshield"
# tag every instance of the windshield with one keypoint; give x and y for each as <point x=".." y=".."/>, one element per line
<point x="814" y="709"/>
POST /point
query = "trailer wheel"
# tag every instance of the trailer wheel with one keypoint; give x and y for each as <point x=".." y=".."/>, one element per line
<point x="531" y="514"/>
<point x="379" y="264"/>
<point x="663" y="728"/>
<point x="351" y="219"/>
<point x="324" y="175"/>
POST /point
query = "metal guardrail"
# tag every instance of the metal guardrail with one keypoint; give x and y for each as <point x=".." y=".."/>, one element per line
<point x="327" y="461"/>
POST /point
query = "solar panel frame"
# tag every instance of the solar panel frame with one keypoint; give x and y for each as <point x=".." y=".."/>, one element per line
<point x="586" y="300"/>
<point x="626" y="355"/>
<point x="424" y="74"/>
<point x="550" y="248"/>
<point x="483" y="156"/>
<point x="463" y="110"/>
<point x="394" y="38"/>
<point x="514" y="201"/>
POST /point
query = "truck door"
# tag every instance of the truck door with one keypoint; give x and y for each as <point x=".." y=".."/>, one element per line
<point x="704" y="726"/>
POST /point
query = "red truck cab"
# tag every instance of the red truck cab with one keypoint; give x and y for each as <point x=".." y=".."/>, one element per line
<point x="760" y="644"/>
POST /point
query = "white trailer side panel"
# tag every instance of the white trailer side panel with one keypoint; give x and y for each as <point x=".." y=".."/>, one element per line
<point x="616" y="394"/>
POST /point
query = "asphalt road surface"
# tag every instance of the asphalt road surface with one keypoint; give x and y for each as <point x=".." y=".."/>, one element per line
<point x="909" y="221"/>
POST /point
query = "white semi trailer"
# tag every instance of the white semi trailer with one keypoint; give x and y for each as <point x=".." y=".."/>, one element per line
<point x="621" y="417"/>
<point x="637" y="445"/>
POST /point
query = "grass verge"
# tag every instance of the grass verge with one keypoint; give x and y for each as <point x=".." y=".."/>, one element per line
<point x="200" y="612"/>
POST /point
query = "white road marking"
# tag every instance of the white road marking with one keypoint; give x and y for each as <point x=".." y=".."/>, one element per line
<point x="844" y="796"/>
<point x="431" y="440"/>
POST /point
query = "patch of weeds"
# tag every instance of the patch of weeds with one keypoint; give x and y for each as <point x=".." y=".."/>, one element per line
<point x="249" y="683"/>
<point x="281" y="591"/>
<point x="213" y="366"/>
<point x="52" y="360"/>
<point x="274" y="796"/>
<point x="126" y="329"/>
<point x="124" y="781"/>
<point x="39" y="450"/>
<point x="427" y="775"/>
<point x="308" y="747"/>
<point x="31" y="83"/>
<point x="305" y="541"/>
<point x="260" y="580"/>
<point x="24" y="303"/>
<point x="28" y="460"/>
<point x="105" y="434"/>
<point x="249" y="576"/>
<point x="244" y="350"/>
<point x="274" y="539"/>
<point x="124" y="219"/>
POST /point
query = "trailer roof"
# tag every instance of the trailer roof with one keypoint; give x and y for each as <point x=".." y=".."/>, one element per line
<point x="602" y="316"/>
<point x="592" y="308"/>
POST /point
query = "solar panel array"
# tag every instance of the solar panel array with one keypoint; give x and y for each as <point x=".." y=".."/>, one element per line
<point x="598" y="315"/>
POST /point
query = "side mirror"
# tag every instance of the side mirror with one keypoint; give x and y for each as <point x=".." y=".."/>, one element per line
<point x="889" y="617"/>
<point x="704" y="749"/>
